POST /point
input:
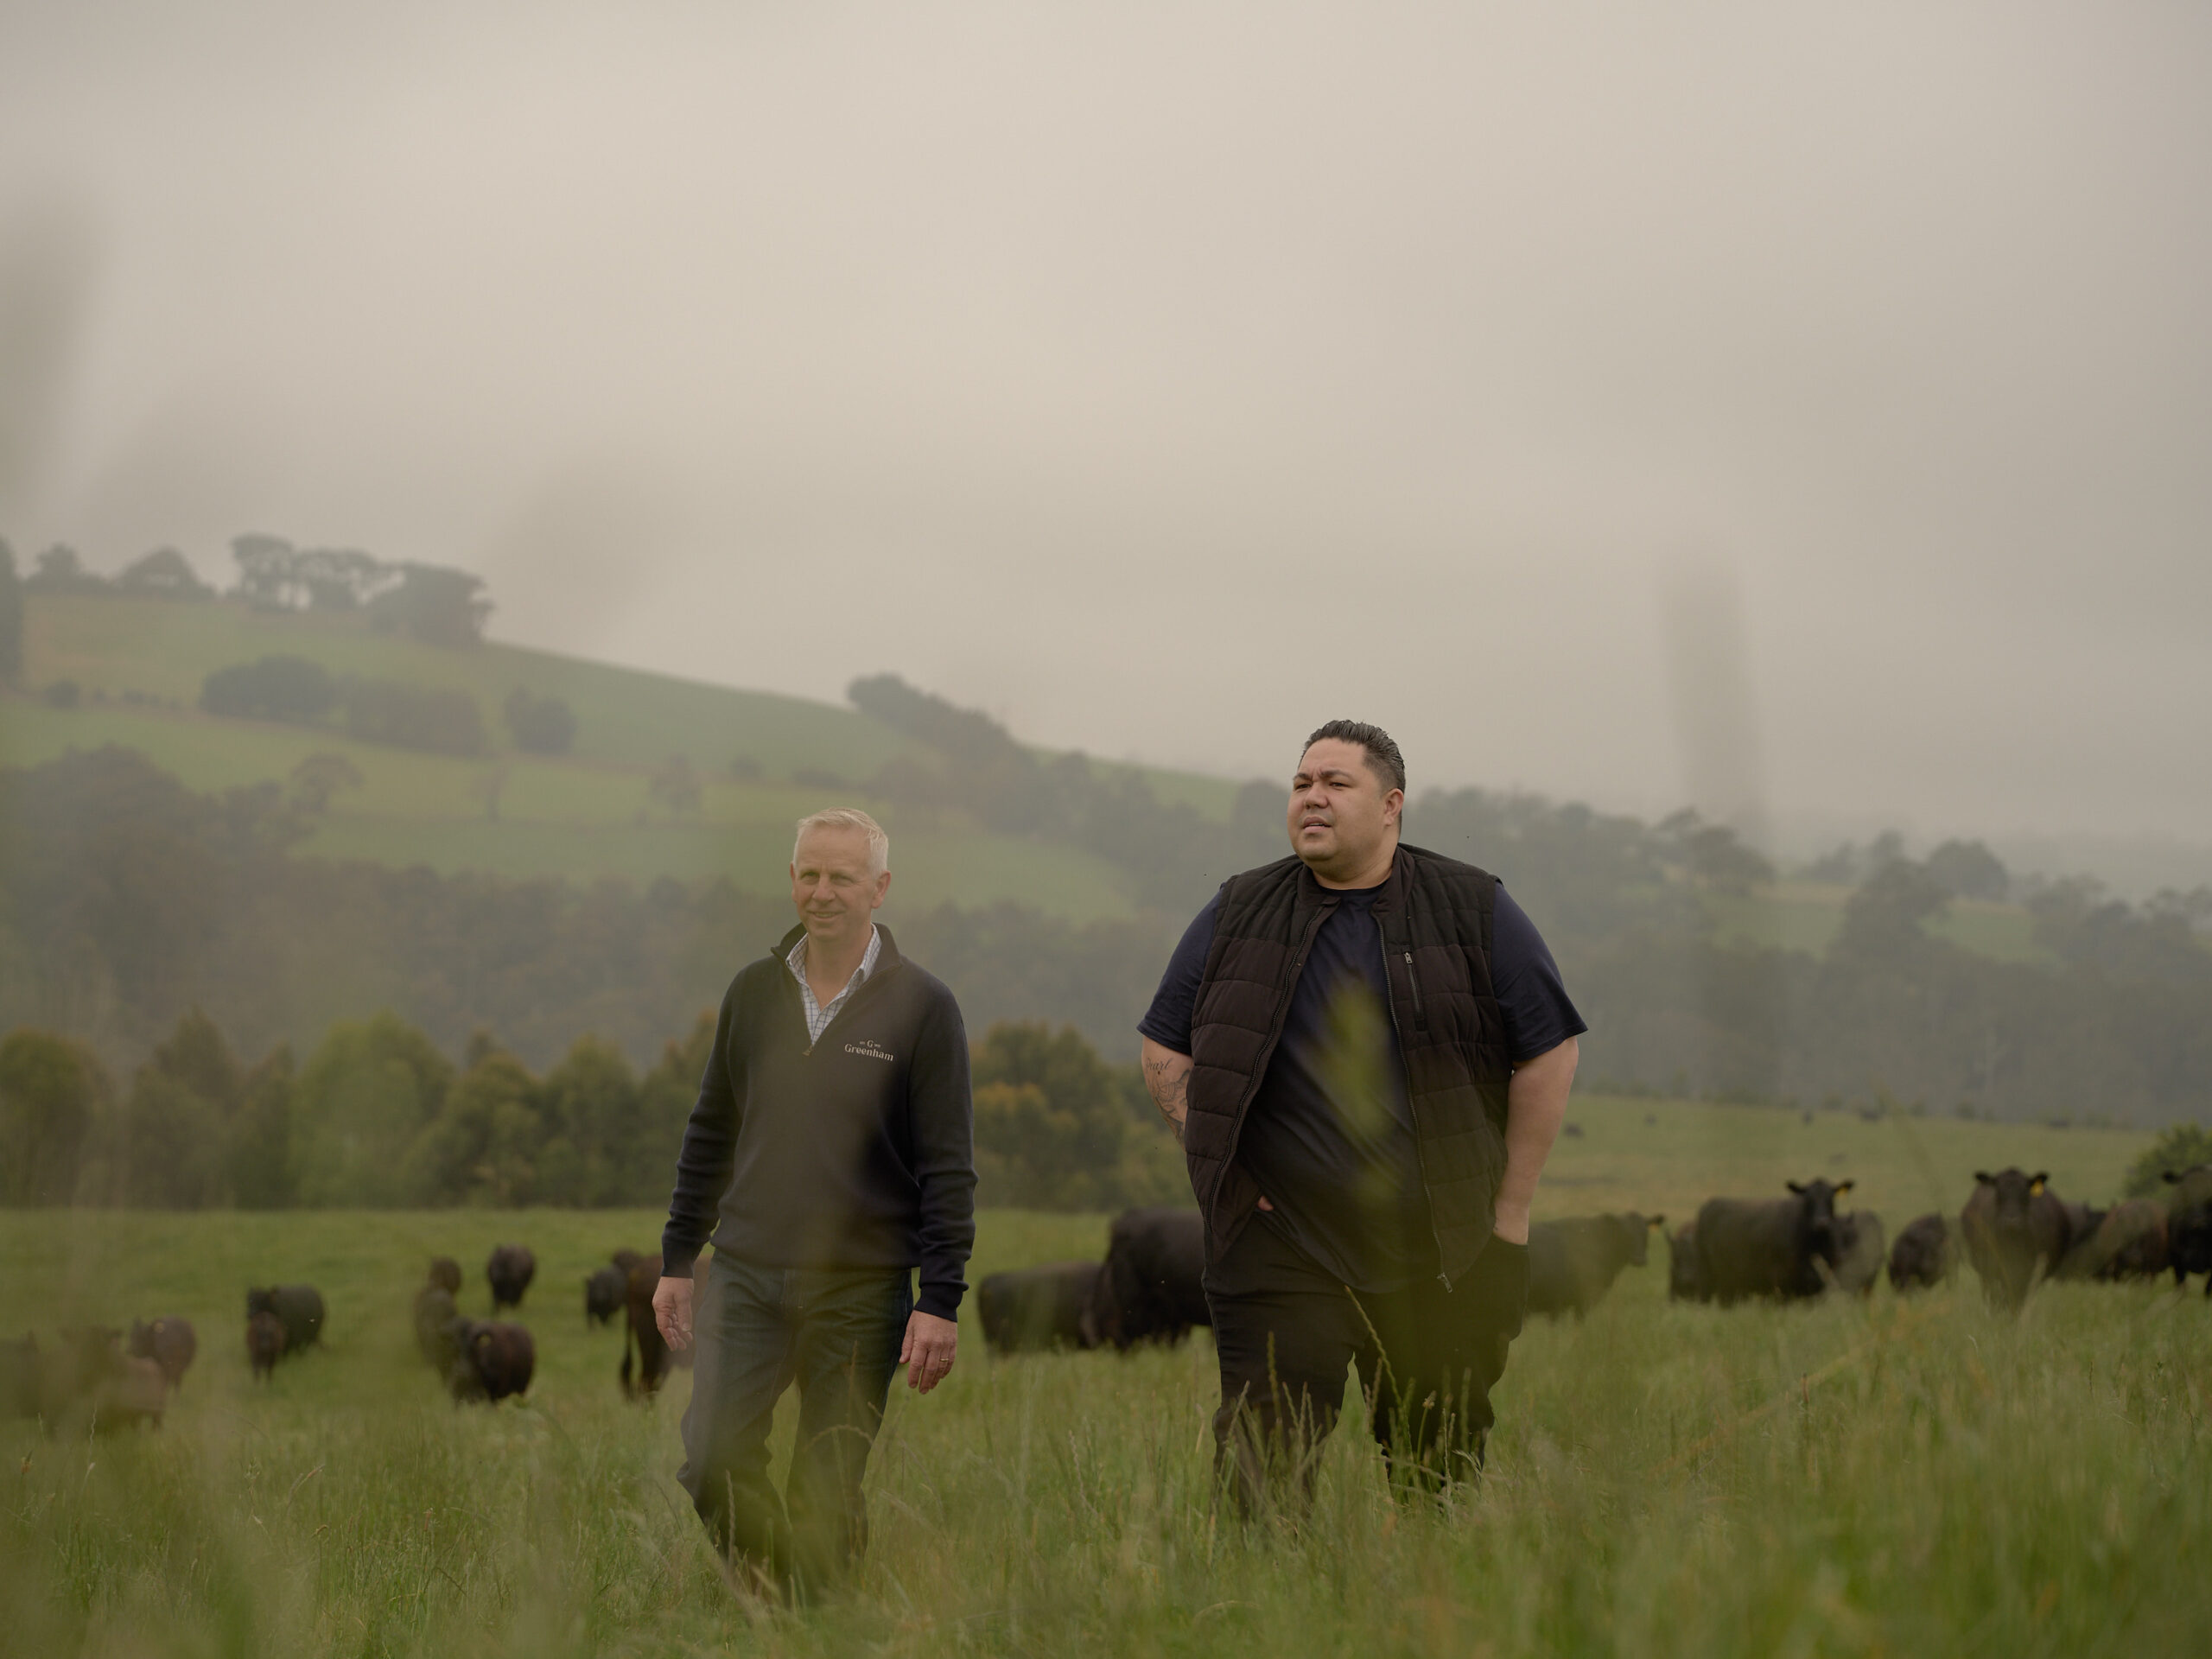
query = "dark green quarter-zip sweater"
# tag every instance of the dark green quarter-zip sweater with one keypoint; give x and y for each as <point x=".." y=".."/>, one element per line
<point x="853" y="1151"/>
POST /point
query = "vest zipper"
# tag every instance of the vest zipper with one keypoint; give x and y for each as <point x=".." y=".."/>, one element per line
<point x="1421" y="1014"/>
<point x="1420" y="1152"/>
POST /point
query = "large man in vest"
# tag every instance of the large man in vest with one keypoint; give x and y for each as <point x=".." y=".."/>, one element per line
<point x="1365" y="1050"/>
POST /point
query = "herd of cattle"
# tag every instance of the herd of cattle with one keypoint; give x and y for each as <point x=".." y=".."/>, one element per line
<point x="2013" y="1232"/>
<point x="98" y="1378"/>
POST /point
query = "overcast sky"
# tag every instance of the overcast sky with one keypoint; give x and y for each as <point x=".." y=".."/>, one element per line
<point x="1804" y="408"/>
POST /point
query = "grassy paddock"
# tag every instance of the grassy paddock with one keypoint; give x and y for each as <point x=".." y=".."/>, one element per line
<point x="1886" y="1476"/>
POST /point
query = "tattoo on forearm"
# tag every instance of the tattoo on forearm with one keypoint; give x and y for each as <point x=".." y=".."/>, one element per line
<point x="1170" y="1087"/>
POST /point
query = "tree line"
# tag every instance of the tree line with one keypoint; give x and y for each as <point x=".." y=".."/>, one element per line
<point x="379" y="1117"/>
<point x="434" y="603"/>
<point x="126" y="899"/>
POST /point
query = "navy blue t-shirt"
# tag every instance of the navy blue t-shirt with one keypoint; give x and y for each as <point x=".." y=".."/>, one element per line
<point x="1330" y="1136"/>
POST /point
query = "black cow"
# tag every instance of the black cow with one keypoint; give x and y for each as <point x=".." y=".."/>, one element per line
<point x="19" y="1373"/>
<point x="445" y="1273"/>
<point x="298" y="1308"/>
<point x="1573" y="1263"/>
<point x="2189" y="1224"/>
<point x="1773" y="1246"/>
<point x="169" y="1342"/>
<point x="605" y="1291"/>
<point x="641" y="1332"/>
<point x="492" y="1360"/>
<point x="1031" y="1308"/>
<point x="434" y="1312"/>
<point x="2129" y="1241"/>
<point x="2016" y="1232"/>
<point x="1147" y="1288"/>
<point x="265" y="1343"/>
<point x="1686" y="1279"/>
<point x="509" y="1267"/>
<point x="1923" y="1255"/>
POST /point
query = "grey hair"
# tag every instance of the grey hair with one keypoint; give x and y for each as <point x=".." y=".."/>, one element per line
<point x="848" y="817"/>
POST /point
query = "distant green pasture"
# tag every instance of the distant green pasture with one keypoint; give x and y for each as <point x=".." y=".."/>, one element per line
<point x="167" y="649"/>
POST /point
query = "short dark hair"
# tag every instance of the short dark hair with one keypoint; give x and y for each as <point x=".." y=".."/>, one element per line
<point x="1383" y="759"/>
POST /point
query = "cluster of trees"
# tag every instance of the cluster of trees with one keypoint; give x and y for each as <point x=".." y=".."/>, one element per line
<point x="376" y="1118"/>
<point x="379" y="1117"/>
<point x="439" y="720"/>
<point x="433" y="603"/>
<point x="1056" y="1128"/>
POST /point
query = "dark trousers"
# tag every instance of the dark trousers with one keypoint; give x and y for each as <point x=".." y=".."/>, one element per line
<point x="836" y="1332"/>
<point x="1427" y="1358"/>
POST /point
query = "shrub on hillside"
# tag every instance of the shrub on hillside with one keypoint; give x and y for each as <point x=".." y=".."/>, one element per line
<point x="288" y="688"/>
<point x="2182" y="1146"/>
<point x="434" y="719"/>
<point x="540" y="724"/>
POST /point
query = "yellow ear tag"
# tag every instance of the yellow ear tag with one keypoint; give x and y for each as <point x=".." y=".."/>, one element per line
<point x="2034" y="1187"/>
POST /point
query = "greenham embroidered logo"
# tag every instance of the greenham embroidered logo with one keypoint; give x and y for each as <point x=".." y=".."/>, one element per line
<point x="866" y="1049"/>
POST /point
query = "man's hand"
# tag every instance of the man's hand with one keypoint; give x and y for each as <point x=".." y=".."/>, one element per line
<point x="672" y="1311"/>
<point x="1167" y="1078"/>
<point x="927" y="1351"/>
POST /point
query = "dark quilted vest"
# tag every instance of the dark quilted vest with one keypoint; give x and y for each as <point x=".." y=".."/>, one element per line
<point x="1435" y="914"/>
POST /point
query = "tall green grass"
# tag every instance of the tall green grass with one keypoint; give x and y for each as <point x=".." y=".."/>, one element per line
<point x="1884" y="1477"/>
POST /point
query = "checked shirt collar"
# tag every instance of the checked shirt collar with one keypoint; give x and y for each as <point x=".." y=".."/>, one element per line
<point x="818" y="1016"/>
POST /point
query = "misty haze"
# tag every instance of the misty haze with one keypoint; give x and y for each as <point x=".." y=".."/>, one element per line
<point x="472" y="479"/>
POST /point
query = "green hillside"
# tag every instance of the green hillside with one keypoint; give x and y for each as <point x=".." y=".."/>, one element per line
<point x="139" y="665"/>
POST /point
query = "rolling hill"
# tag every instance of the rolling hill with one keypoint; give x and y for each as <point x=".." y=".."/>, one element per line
<point x="138" y="665"/>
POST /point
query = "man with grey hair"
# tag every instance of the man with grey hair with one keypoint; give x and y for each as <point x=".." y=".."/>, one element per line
<point x="831" y="1156"/>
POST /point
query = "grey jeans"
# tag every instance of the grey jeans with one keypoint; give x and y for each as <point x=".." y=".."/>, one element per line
<point x="836" y="1332"/>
